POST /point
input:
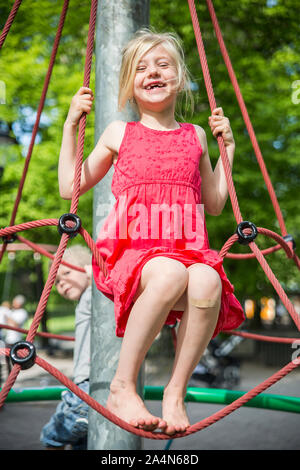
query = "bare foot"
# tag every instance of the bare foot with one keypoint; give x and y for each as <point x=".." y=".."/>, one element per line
<point x="125" y="403"/>
<point x="174" y="413"/>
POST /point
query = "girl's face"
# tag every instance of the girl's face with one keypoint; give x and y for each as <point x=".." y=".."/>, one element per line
<point x="156" y="80"/>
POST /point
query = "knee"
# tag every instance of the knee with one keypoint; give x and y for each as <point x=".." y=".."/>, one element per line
<point x="204" y="286"/>
<point x="171" y="281"/>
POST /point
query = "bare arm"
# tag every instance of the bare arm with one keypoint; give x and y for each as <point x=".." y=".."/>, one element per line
<point x="214" y="184"/>
<point x="99" y="161"/>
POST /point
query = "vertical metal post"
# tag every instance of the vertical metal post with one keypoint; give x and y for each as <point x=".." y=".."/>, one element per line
<point x="117" y="21"/>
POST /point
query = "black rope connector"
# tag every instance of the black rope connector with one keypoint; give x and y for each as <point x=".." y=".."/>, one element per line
<point x="27" y="361"/>
<point x="70" y="230"/>
<point x="9" y="238"/>
<point x="245" y="239"/>
<point x="289" y="238"/>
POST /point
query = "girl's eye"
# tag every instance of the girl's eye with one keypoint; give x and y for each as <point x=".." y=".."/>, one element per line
<point x="163" y="65"/>
<point x="140" y="68"/>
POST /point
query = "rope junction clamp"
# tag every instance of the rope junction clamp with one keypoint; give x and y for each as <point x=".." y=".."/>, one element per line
<point x="9" y="238"/>
<point x="27" y="361"/>
<point x="289" y="238"/>
<point x="63" y="228"/>
<point x="245" y="239"/>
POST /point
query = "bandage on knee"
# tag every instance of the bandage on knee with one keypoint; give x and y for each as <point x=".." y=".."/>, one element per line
<point x="203" y="303"/>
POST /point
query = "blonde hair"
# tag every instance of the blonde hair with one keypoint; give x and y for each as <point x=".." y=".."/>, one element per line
<point x="143" y="41"/>
<point x="78" y="255"/>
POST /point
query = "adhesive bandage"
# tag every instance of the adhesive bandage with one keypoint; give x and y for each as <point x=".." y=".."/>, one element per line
<point x="204" y="303"/>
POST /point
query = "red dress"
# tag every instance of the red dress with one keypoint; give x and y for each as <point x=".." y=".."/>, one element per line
<point x="157" y="212"/>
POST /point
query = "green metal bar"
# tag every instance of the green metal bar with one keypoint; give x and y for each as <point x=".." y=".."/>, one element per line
<point x="35" y="394"/>
<point x="223" y="396"/>
<point x="194" y="394"/>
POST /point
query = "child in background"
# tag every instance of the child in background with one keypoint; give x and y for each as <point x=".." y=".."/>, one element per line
<point x="69" y="424"/>
<point x="16" y="318"/>
<point x="154" y="242"/>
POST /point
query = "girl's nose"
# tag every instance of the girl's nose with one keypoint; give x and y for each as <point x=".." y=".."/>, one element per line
<point x="60" y="283"/>
<point x="153" y="71"/>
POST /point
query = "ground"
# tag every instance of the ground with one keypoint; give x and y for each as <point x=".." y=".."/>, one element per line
<point x="244" y="429"/>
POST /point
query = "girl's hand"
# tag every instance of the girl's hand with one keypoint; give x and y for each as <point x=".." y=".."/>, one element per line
<point x="81" y="103"/>
<point x="220" y="124"/>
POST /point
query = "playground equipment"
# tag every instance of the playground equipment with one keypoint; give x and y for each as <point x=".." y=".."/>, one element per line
<point x="24" y="354"/>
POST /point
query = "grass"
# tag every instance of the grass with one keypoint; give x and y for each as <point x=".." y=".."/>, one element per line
<point x="58" y="324"/>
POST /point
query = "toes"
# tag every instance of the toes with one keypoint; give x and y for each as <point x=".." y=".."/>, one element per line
<point x="173" y="429"/>
<point x="170" y="430"/>
<point x="148" y="424"/>
<point x="134" y="423"/>
<point x="180" y="428"/>
<point x="162" y="425"/>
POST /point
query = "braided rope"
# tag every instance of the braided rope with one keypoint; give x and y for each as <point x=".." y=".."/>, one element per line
<point x="64" y="238"/>
<point x="212" y="102"/>
<point x="38" y="116"/>
<point x="159" y="435"/>
<point x="39" y="333"/>
<point x="9" y="21"/>
<point x="63" y="243"/>
<point x="82" y="123"/>
<point x="246" y="117"/>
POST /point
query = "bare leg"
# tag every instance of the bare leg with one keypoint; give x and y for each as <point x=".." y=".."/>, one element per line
<point x="146" y="319"/>
<point x="195" y="331"/>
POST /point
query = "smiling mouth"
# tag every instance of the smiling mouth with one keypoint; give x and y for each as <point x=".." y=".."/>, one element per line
<point x="152" y="86"/>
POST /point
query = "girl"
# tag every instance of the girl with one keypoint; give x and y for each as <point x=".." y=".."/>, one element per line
<point x="154" y="241"/>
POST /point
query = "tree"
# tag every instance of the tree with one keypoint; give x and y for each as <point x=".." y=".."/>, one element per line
<point x="262" y="38"/>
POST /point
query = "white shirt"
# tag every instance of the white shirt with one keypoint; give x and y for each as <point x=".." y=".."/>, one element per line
<point x="4" y="312"/>
<point x="19" y="316"/>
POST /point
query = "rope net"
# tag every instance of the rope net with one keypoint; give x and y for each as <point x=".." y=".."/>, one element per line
<point x="11" y="233"/>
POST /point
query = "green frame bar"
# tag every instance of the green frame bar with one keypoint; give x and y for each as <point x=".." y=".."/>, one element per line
<point x="225" y="397"/>
<point x="194" y="394"/>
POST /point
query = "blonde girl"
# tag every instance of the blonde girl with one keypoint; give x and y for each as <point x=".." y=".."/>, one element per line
<point x="154" y="241"/>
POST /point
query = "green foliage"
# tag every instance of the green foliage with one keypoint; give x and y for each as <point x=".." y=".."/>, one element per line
<point x="263" y="43"/>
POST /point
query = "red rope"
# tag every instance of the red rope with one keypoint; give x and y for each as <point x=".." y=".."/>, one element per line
<point x="269" y="339"/>
<point x="48" y="222"/>
<point x="38" y="116"/>
<point x="9" y="21"/>
<point x="268" y="271"/>
<point x="39" y="333"/>
<point x="280" y="291"/>
<point x="246" y="117"/>
<point x="159" y="435"/>
<point x="64" y="238"/>
<point x="269" y="233"/>
<point x="212" y="102"/>
<point x="32" y="332"/>
<point x="42" y="251"/>
<point x="82" y="122"/>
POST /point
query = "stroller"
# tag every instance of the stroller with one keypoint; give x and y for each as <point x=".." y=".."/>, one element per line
<point x="217" y="367"/>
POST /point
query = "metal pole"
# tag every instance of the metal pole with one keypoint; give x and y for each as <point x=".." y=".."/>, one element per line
<point x="117" y="21"/>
